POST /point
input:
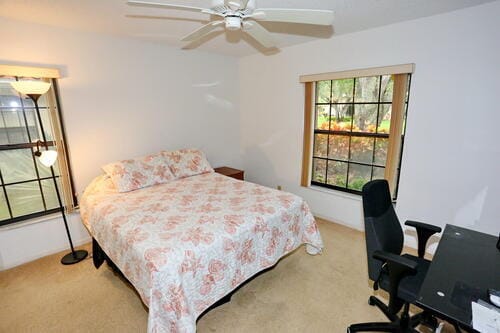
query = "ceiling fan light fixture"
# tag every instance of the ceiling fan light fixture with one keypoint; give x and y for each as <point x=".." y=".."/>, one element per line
<point x="233" y="23"/>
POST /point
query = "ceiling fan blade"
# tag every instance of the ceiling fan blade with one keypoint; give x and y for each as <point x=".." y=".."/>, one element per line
<point x="244" y="4"/>
<point x="238" y="5"/>
<point x="234" y="5"/>
<point x="163" y="5"/>
<point x="200" y="32"/>
<point x="260" y="34"/>
<point x="304" y="16"/>
<point x="159" y="17"/>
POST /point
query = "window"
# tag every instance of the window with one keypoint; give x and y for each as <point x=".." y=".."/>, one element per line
<point x="357" y="128"/>
<point x="26" y="186"/>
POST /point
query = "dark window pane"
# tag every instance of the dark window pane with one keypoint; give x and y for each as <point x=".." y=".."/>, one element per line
<point x="4" y="139"/>
<point x="367" y="89"/>
<point x="338" y="147"/>
<point x="42" y="101"/>
<point x="319" y="170"/>
<point x="320" y="145"/>
<point x="322" y="117"/>
<point x="17" y="165"/>
<point x="13" y="129"/>
<point x="8" y="96"/>
<point x="33" y="125"/>
<point x="341" y="117"/>
<point x="378" y="173"/>
<point x="359" y="175"/>
<point x="12" y="118"/>
<point x="4" y="210"/>
<point x="47" y="125"/>
<point x="28" y="102"/>
<point x="323" y="91"/>
<point x="49" y="193"/>
<point x="25" y="198"/>
<point x="362" y="149"/>
<point x="342" y="91"/>
<point x="384" y="118"/>
<point x="381" y="146"/>
<point x="337" y="173"/>
<point x="387" y="88"/>
<point x="17" y="135"/>
<point x="365" y="118"/>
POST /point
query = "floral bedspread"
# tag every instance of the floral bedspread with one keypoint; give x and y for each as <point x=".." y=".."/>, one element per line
<point x="186" y="244"/>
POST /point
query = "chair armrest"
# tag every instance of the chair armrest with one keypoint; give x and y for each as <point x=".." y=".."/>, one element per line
<point x="398" y="267"/>
<point x="421" y="225"/>
<point x="393" y="259"/>
<point x="424" y="232"/>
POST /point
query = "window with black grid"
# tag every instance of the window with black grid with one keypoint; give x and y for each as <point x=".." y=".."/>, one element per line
<point x="26" y="186"/>
<point x="352" y="131"/>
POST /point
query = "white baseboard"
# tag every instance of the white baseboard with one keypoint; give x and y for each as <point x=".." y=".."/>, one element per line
<point x="42" y="254"/>
<point x="336" y="221"/>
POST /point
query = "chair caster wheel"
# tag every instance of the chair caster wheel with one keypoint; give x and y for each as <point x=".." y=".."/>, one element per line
<point x="371" y="301"/>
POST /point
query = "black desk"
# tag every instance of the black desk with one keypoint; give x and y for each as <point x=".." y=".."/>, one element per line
<point x="465" y="265"/>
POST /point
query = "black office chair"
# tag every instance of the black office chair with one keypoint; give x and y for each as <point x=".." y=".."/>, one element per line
<point x="400" y="275"/>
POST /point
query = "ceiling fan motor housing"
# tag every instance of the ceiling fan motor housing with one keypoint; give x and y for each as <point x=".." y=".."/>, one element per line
<point x="233" y="22"/>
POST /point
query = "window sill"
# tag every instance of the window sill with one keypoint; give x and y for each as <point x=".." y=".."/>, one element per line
<point x="346" y="195"/>
<point x="35" y="220"/>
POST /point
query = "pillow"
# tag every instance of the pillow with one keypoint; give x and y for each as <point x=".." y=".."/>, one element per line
<point x="187" y="162"/>
<point x="129" y="175"/>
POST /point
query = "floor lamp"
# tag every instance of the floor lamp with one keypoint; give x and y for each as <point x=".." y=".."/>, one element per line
<point x="34" y="89"/>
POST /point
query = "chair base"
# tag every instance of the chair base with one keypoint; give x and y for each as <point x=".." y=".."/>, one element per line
<point x="403" y="324"/>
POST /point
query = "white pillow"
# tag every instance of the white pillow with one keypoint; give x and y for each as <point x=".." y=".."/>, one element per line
<point x="133" y="174"/>
<point x="187" y="162"/>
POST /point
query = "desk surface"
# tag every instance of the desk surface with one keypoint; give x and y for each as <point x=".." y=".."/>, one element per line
<point x="465" y="265"/>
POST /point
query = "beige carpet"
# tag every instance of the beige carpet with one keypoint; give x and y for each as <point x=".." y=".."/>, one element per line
<point x="302" y="294"/>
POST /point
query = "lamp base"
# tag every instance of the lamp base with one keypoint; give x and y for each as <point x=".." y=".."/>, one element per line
<point x="71" y="259"/>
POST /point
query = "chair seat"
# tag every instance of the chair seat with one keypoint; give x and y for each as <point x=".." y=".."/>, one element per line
<point x="409" y="286"/>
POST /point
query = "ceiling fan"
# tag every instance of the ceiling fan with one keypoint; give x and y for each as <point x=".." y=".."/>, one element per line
<point x="244" y="15"/>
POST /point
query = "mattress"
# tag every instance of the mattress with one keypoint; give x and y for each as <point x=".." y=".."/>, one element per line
<point x="186" y="244"/>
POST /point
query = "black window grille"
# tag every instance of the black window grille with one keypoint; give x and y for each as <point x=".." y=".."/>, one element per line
<point x="351" y="132"/>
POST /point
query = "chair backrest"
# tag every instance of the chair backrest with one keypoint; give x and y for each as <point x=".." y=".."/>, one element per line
<point x="382" y="228"/>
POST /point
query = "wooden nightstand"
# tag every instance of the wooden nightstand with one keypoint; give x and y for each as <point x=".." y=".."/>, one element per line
<point x="230" y="172"/>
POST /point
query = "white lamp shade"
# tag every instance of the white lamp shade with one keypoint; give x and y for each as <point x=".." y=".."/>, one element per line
<point x="48" y="158"/>
<point x="31" y="87"/>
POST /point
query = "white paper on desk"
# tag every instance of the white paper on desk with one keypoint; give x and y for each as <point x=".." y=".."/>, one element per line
<point x="485" y="317"/>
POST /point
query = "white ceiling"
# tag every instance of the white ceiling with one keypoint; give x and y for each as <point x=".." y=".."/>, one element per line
<point x="109" y="17"/>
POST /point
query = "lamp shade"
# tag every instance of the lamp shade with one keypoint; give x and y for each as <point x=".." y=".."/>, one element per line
<point x="31" y="87"/>
<point x="48" y="157"/>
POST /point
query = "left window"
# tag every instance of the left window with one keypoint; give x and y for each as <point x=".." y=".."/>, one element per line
<point x="27" y="188"/>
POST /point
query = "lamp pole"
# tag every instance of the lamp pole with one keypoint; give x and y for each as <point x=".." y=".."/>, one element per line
<point x="75" y="256"/>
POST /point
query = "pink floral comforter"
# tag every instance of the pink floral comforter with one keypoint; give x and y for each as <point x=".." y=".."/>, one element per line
<point x="188" y="243"/>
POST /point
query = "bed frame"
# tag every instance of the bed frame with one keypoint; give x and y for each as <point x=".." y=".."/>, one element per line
<point x="99" y="256"/>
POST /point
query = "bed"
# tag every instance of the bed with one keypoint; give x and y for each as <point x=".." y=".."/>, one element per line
<point x="186" y="244"/>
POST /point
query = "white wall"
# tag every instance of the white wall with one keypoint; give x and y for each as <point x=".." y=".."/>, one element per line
<point x="125" y="98"/>
<point x="38" y="238"/>
<point x="122" y="98"/>
<point x="451" y="155"/>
